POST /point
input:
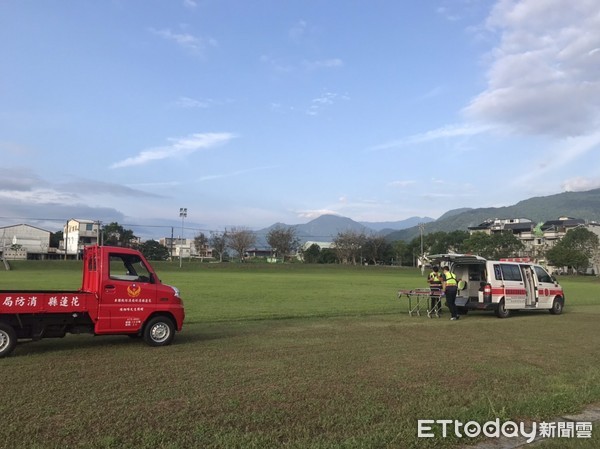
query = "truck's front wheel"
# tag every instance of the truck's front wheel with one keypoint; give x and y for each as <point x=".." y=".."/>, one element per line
<point x="8" y="339"/>
<point x="159" y="331"/>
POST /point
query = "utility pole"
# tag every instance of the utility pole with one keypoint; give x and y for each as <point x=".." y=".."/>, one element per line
<point x="171" y="243"/>
<point x="422" y="257"/>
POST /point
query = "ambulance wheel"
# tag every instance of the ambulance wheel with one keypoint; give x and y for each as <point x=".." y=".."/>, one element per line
<point x="557" y="306"/>
<point x="501" y="311"/>
<point x="159" y="331"/>
<point x="8" y="339"/>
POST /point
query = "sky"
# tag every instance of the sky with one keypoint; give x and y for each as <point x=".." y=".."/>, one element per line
<point x="250" y="113"/>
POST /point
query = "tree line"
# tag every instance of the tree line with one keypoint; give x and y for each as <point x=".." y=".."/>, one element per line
<point x="576" y="250"/>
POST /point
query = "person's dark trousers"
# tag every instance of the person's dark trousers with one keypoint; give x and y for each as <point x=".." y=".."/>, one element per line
<point x="451" y="300"/>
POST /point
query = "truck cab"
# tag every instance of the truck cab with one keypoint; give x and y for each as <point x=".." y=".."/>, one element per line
<point x="129" y="290"/>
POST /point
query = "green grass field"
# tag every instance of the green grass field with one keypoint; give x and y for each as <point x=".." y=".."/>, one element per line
<point x="297" y="356"/>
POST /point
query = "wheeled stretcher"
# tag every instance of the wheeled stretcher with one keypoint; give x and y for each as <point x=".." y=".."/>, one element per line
<point x="426" y="300"/>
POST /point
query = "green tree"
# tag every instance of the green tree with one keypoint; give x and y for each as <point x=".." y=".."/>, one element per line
<point x="495" y="246"/>
<point x="283" y="240"/>
<point x="413" y="251"/>
<point x="312" y="254"/>
<point x="218" y="242"/>
<point x="456" y="240"/>
<point x="240" y="240"/>
<point x="55" y="239"/>
<point x="349" y="246"/>
<point x="400" y="251"/>
<point x="374" y="248"/>
<point x="327" y="256"/>
<point x="201" y="244"/>
<point x="574" y="250"/>
<point x="153" y="250"/>
<point x="441" y="242"/>
<point x="116" y="235"/>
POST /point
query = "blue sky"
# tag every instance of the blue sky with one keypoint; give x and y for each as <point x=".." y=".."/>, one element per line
<point x="251" y="113"/>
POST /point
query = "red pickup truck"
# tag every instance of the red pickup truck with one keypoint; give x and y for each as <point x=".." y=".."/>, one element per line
<point x="120" y="294"/>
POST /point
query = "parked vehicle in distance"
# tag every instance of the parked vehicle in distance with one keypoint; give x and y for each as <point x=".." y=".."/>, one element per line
<point x="120" y="294"/>
<point x="502" y="285"/>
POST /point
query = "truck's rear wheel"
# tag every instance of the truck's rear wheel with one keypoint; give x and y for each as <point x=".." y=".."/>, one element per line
<point x="501" y="311"/>
<point x="159" y="331"/>
<point x="557" y="306"/>
<point x="8" y="339"/>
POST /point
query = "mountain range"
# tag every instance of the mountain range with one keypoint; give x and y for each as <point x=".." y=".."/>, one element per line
<point x="585" y="205"/>
<point x="326" y="227"/>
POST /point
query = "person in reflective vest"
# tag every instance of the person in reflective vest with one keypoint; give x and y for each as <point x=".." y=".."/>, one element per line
<point x="450" y="285"/>
<point x="435" y="285"/>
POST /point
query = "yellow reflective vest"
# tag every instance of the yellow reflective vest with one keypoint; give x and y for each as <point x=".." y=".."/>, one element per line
<point x="435" y="278"/>
<point x="450" y="279"/>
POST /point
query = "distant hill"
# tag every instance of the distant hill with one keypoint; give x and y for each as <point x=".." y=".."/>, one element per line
<point x="396" y="225"/>
<point x="584" y="205"/>
<point x="326" y="227"/>
<point x="453" y="212"/>
<point x="321" y="229"/>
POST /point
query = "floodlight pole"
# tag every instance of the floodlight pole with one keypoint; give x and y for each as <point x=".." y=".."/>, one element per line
<point x="182" y="214"/>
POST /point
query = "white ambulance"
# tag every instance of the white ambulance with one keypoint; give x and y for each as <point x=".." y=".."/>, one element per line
<point x="502" y="285"/>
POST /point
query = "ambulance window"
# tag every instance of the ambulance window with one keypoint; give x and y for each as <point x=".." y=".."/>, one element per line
<point x="497" y="272"/>
<point x="511" y="272"/>
<point x="542" y="275"/>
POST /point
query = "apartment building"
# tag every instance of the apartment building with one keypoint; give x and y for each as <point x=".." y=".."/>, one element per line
<point x="78" y="234"/>
<point x="537" y="238"/>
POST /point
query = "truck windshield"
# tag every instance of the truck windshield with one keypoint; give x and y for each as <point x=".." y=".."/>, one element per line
<point x="128" y="267"/>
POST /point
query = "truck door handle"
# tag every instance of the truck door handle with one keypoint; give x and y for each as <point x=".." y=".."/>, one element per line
<point x="109" y="288"/>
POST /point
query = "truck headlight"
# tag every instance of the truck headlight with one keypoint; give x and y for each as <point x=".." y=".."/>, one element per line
<point x="176" y="291"/>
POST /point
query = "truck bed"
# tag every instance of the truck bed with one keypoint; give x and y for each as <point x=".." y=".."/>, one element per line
<point x="49" y="301"/>
<point x="2" y="292"/>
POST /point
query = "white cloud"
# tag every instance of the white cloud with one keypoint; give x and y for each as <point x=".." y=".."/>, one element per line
<point x="298" y="31"/>
<point x="544" y="76"/>
<point x="89" y="187"/>
<point x="332" y="63"/>
<point x="432" y="93"/>
<point x="449" y="131"/>
<point x="190" y="103"/>
<point x="234" y="173"/>
<point x="38" y="196"/>
<point x="19" y="179"/>
<point x="325" y="100"/>
<point x="580" y="184"/>
<point x="275" y="64"/>
<point x="177" y="147"/>
<point x="401" y="183"/>
<point x="316" y="213"/>
<point x="186" y="40"/>
<point x="565" y="152"/>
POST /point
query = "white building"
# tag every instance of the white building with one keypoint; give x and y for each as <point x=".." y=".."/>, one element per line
<point x="595" y="262"/>
<point x="78" y="234"/>
<point x="17" y="241"/>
